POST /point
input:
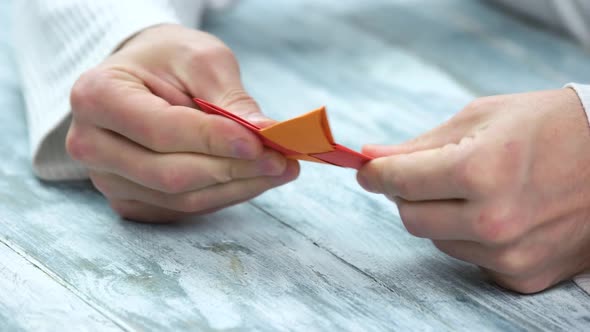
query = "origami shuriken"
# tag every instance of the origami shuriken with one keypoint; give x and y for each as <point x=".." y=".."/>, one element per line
<point x="306" y="137"/>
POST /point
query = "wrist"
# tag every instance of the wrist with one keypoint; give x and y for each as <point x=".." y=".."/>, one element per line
<point x="139" y="34"/>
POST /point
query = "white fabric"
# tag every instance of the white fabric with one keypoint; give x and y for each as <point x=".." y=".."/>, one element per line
<point x="57" y="40"/>
<point x="583" y="92"/>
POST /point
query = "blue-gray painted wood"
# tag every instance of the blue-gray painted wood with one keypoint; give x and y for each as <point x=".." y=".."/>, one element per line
<point x="382" y="249"/>
<point x="32" y="300"/>
<point x="317" y="254"/>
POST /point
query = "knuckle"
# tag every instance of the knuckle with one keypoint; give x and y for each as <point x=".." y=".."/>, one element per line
<point x="82" y="93"/>
<point x="499" y="224"/>
<point x="226" y="173"/>
<point x="216" y="55"/>
<point x="211" y="135"/>
<point x="78" y="146"/>
<point x="213" y="62"/>
<point x="507" y="164"/>
<point x="238" y="97"/>
<point x="88" y="89"/>
<point x="473" y="175"/>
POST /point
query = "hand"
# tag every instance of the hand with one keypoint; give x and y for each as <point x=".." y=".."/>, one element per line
<point x="153" y="155"/>
<point x="505" y="184"/>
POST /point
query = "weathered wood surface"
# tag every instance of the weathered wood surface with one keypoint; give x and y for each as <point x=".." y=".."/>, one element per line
<point x="317" y="254"/>
<point x="395" y="79"/>
<point x="34" y="300"/>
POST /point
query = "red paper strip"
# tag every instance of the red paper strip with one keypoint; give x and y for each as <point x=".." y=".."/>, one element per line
<point x="339" y="155"/>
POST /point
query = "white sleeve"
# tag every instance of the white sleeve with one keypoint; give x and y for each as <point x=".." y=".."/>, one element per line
<point x="583" y="91"/>
<point x="56" y="41"/>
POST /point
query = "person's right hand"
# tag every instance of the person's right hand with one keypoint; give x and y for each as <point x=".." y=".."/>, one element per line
<point x="153" y="155"/>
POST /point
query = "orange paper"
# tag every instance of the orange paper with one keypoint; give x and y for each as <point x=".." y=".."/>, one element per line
<point x="306" y="137"/>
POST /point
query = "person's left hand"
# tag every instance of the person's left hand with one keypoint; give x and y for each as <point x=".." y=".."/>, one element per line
<point x="505" y="184"/>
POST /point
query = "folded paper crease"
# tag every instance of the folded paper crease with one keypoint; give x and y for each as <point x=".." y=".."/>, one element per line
<point x="306" y="137"/>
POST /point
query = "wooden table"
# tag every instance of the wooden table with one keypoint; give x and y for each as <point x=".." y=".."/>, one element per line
<point x="318" y="254"/>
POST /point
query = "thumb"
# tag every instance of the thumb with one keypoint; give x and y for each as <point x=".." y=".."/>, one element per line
<point x="240" y="103"/>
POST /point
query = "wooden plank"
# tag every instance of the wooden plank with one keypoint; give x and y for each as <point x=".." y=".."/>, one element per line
<point x="315" y="58"/>
<point x="478" y="45"/>
<point x="32" y="300"/>
<point x="235" y="269"/>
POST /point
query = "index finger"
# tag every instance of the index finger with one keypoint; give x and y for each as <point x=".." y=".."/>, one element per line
<point x="119" y="102"/>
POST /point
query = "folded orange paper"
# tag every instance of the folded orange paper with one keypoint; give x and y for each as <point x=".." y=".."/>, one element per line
<point x="306" y="137"/>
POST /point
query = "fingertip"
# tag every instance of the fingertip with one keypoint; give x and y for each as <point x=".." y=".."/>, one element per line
<point x="293" y="169"/>
<point x="272" y="163"/>
<point x="364" y="179"/>
<point x="246" y="148"/>
<point x="231" y="139"/>
<point x="370" y="176"/>
<point x="291" y="173"/>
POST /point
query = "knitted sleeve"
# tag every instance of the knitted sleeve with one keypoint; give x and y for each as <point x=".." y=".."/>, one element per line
<point x="55" y="42"/>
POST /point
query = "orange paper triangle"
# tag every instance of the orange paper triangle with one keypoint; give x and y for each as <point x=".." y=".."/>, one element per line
<point x="306" y="137"/>
<point x="306" y="134"/>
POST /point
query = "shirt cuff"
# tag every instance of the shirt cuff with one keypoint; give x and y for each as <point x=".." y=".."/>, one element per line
<point x="54" y="45"/>
<point x="583" y="92"/>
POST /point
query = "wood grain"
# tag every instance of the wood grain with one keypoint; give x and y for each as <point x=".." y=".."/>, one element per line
<point x="318" y="254"/>
<point x="238" y="269"/>
<point x="360" y="228"/>
<point x="31" y="300"/>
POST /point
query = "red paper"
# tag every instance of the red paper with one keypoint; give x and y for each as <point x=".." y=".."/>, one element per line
<point x="307" y="137"/>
